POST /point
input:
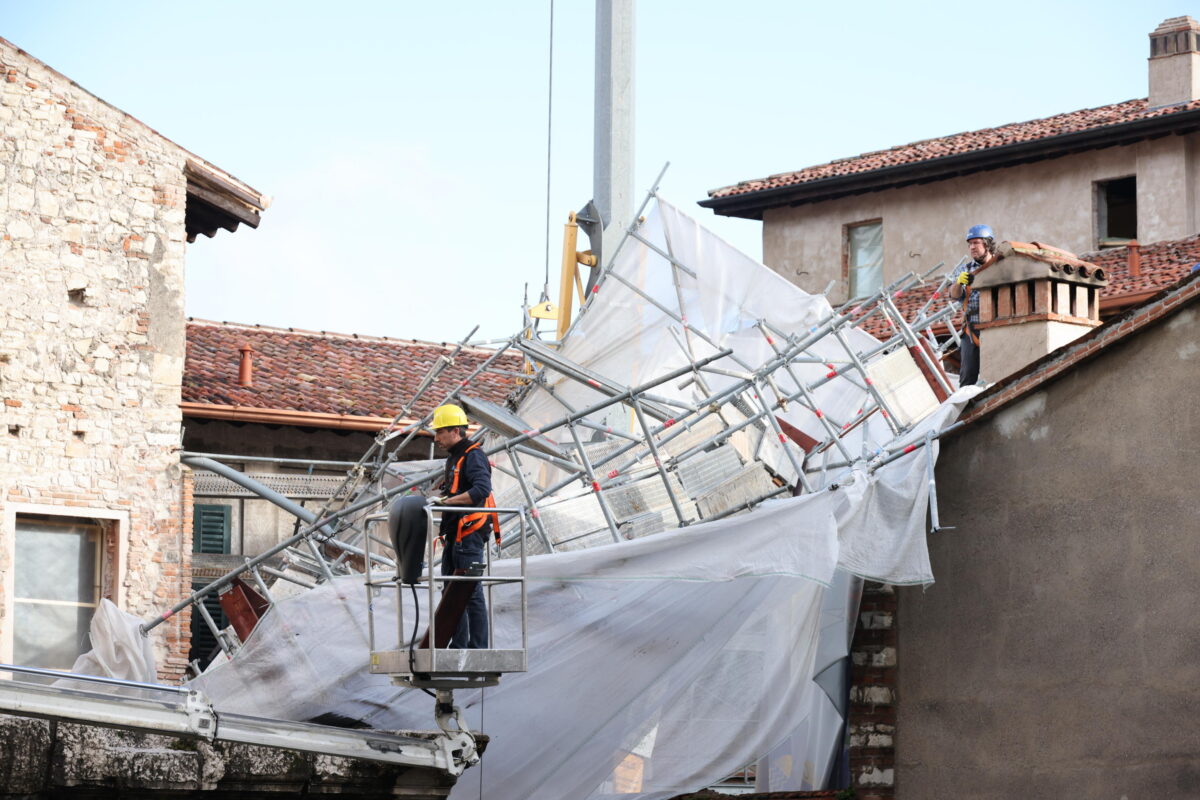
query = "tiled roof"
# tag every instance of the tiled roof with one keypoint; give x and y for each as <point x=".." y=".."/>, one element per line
<point x="960" y="143"/>
<point x="329" y="373"/>
<point x="1162" y="264"/>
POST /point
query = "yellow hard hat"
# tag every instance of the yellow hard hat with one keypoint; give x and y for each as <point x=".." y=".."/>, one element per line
<point x="449" y="416"/>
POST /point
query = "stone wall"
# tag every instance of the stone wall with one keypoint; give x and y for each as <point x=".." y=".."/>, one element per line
<point x="92" y="207"/>
<point x="45" y="759"/>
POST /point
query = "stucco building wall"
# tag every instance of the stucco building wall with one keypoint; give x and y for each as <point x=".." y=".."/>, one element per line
<point x="92" y="206"/>
<point x="1055" y="655"/>
<point x="1051" y="201"/>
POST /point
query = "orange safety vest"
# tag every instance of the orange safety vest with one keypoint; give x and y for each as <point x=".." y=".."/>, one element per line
<point x="469" y="523"/>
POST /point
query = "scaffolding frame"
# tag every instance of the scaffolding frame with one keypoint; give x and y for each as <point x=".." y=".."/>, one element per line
<point x="333" y="539"/>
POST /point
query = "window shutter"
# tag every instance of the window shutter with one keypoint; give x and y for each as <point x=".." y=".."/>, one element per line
<point x="210" y="529"/>
<point x="204" y="644"/>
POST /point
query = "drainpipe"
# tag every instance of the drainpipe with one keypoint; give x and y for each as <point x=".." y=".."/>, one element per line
<point x="246" y="482"/>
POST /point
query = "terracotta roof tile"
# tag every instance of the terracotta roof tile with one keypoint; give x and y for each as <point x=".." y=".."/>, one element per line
<point x="1162" y="264"/>
<point x="326" y="372"/>
<point x="958" y="143"/>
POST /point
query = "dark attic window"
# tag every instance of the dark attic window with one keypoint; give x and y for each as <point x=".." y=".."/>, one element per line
<point x="1116" y="211"/>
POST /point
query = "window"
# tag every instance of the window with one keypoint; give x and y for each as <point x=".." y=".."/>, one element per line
<point x="210" y="529"/>
<point x="1116" y="211"/>
<point x="864" y="258"/>
<point x="56" y="582"/>
<point x="210" y="534"/>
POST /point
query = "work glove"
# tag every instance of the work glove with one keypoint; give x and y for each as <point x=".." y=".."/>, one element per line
<point x="965" y="278"/>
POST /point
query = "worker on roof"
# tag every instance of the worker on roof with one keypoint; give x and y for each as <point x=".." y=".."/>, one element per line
<point x="468" y="482"/>
<point x="981" y="249"/>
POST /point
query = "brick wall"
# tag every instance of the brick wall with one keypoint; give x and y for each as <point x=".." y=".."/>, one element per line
<point x="873" y="695"/>
<point x="92" y="341"/>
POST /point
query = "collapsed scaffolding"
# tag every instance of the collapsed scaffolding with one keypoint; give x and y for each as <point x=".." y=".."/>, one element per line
<point x="694" y="387"/>
<point x="709" y="431"/>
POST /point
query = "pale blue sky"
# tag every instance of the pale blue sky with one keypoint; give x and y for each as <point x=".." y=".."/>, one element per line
<point x="404" y="143"/>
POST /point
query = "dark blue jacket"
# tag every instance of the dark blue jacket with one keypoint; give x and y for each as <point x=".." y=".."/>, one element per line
<point x="475" y="478"/>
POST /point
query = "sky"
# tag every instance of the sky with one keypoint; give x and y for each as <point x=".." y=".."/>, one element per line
<point x="404" y="144"/>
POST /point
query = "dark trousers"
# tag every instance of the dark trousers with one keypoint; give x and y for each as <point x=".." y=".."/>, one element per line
<point x="472" y="631"/>
<point x="968" y="356"/>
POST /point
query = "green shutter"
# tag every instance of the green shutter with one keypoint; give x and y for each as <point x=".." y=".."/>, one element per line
<point x="210" y="529"/>
<point x="204" y="644"/>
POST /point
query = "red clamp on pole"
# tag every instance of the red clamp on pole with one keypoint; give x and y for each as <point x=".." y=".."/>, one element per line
<point x="910" y="448"/>
<point x="535" y="513"/>
<point x="881" y="411"/>
<point x="817" y="411"/>
<point x="593" y="382"/>
<point x="897" y="294"/>
<point x="831" y="374"/>
<point x="770" y="341"/>
<point x="596" y="486"/>
<point x="613" y="474"/>
<point x="869" y="382"/>
<point x="669" y="422"/>
<point x="596" y="289"/>
<point x="167" y="615"/>
<point x="783" y="438"/>
<point x="936" y="295"/>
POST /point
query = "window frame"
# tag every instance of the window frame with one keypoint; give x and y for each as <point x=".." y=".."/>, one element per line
<point x="846" y="227"/>
<point x="114" y="559"/>
<point x="1100" y="212"/>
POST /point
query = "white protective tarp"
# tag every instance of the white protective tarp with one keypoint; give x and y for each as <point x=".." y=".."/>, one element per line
<point x="119" y="650"/>
<point x="656" y="666"/>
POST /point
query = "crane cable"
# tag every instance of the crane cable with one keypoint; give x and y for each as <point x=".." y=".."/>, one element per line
<point x="549" y="130"/>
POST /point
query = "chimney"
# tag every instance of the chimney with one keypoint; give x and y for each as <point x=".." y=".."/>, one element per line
<point x="1033" y="300"/>
<point x="1134" y="252"/>
<point x="246" y="368"/>
<point x="1175" y="62"/>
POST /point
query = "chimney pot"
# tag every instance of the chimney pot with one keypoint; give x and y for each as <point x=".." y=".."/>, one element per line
<point x="246" y="367"/>
<point x="1134" y="251"/>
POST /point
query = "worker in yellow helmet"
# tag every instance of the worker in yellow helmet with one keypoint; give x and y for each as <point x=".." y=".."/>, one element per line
<point x="468" y="482"/>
